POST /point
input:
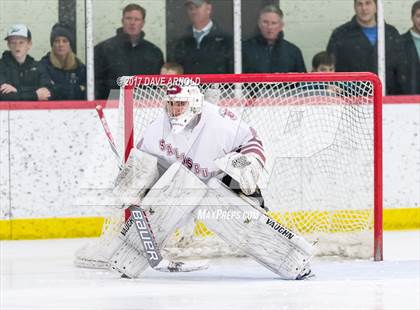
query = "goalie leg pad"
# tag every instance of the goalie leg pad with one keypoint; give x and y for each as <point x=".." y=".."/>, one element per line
<point x="88" y="257"/>
<point x="139" y="174"/>
<point x="175" y="195"/>
<point x="249" y="228"/>
<point x="128" y="261"/>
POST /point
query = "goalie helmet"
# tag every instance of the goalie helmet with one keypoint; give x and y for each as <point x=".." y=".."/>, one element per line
<point x="183" y="103"/>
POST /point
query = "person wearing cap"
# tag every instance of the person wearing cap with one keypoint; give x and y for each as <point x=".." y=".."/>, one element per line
<point x="268" y="51"/>
<point x="205" y="48"/>
<point x="21" y="77"/>
<point x="67" y="71"/>
<point x="127" y="53"/>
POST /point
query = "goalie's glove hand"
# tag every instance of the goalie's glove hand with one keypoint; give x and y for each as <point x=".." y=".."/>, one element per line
<point x="250" y="169"/>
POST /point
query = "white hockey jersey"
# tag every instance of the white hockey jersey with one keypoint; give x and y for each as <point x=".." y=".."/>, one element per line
<point x="219" y="131"/>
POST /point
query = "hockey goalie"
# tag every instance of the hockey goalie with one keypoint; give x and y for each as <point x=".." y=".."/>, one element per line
<point x="197" y="158"/>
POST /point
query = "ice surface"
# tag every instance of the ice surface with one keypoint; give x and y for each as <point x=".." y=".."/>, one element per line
<point x="40" y="275"/>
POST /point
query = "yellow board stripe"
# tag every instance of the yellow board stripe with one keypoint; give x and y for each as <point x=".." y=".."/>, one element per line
<point x="400" y="219"/>
<point x="46" y="228"/>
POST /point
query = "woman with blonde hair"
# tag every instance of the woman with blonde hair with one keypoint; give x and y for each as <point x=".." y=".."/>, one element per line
<point x="67" y="72"/>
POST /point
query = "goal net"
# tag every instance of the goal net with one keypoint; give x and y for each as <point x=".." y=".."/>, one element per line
<point x="322" y="140"/>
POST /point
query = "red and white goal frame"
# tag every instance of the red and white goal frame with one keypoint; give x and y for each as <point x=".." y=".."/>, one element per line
<point x="339" y="106"/>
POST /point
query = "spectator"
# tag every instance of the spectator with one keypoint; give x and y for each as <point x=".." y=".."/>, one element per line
<point x="411" y="50"/>
<point x="67" y="72"/>
<point x="268" y="51"/>
<point x="127" y="53"/>
<point x="323" y="62"/>
<point x="205" y="48"/>
<point x="171" y="68"/>
<point x="21" y="77"/>
<point x="354" y="45"/>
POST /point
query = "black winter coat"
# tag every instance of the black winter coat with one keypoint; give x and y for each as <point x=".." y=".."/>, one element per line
<point x="215" y="54"/>
<point x="260" y="57"/>
<point x="117" y="57"/>
<point x="26" y="78"/>
<point x="411" y="83"/>
<point x="354" y="53"/>
<point x="67" y="84"/>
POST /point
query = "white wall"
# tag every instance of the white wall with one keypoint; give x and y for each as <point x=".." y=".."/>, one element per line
<point x="401" y="155"/>
<point x="61" y="165"/>
<point x="4" y="165"/>
<point x="55" y="157"/>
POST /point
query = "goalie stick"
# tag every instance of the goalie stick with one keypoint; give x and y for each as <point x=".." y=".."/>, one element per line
<point x="146" y="235"/>
<point x="111" y="141"/>
<point x="154" y="256"/>
<point x="141" y="221"/>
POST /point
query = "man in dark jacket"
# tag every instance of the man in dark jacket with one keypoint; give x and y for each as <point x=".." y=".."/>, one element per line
<point x="411" y="52"/>
<point x="354" y="45"/>
<point x="205" y="48"/>
<point x="21" y="78"/>
<point x="269" y="51"/>
<point x="126" y="54"/>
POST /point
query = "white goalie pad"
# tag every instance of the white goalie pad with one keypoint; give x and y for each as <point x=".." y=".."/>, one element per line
<point x="140" y="172"/>
<point x="175" y="195"/>
<point x="129" y="257"/>
<point x="249" y="228"/>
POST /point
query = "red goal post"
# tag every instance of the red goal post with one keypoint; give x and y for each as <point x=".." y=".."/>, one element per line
<point x="311" y="91"/>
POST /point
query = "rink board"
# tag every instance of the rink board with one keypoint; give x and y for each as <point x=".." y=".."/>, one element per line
<point x="53" y="172"/>
<point x="45" y="228"/>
